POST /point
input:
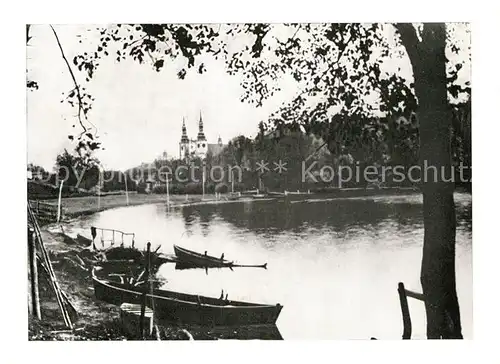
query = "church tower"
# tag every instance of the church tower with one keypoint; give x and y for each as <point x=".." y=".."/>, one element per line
<point x="201" y="141"/>
<point x="184" y="143"/>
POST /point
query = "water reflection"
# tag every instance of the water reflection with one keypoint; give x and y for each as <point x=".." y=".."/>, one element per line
<point x="188" y="215"/>
<point x="334" y="265"/>
<point x="251" y="332"/>
<point x="345" y="215"/>
<point x="271" y="217"/>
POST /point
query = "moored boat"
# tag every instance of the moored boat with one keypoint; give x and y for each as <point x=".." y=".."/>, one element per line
<point x="188" y="308"/>
<point x="83" y="240"/>
<point x="234" y="195"/>
<point x="202" y="260"/>
<point x="133" y="255"/>
<point x="259" y="195"/>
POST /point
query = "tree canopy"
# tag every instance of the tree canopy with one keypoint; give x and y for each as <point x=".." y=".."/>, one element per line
<point x="353" y="81"/>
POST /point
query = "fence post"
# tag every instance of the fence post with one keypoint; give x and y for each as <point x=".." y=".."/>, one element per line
<point x="59" y="201"/>
<point x="144" y="294"/>
<point x="405" y="311"/>
<point x="35" y="298"/>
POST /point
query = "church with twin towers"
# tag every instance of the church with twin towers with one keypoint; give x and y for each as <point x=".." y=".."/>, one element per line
<point x="199" y="147"/>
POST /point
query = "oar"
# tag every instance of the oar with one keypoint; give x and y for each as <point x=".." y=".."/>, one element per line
<point x="248" y="266"/>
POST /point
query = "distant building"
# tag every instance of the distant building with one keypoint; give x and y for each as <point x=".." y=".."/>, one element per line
<point x="199" y="147"/>
<point x="35" y="173"/>
<point x="216" y="149"/>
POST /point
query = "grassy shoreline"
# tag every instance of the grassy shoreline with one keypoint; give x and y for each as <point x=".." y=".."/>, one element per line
<point x="87" y="205"/>
<point x="95" y="320"/>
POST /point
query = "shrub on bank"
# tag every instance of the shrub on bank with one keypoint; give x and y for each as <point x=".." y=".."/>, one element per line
<point x="141" y="188"/>
<point x="160" y="189"/>
<point x="191" y="188"/>
<point x="221" y="188"/>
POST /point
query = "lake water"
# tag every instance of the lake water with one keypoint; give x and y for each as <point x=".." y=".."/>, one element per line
<point x="334" y="264"/>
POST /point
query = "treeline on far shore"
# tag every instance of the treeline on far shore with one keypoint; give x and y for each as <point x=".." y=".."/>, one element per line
<point x="42" y="191"/>
<point x="280" y="158"/>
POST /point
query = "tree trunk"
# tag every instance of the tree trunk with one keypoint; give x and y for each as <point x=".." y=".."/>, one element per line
<point x="438" y="262"/>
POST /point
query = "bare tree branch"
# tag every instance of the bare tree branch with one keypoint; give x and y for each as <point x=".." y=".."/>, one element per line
<point x="296" y="31"/>
<point x="77" y="87"/>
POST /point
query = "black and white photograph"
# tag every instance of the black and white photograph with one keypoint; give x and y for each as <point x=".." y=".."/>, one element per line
<point x="249" y="181"/>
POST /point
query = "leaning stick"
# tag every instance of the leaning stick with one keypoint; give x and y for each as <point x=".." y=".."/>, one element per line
<point x="52" y="276"/>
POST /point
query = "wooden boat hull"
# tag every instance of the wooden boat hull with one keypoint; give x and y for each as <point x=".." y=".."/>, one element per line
<point x="189" y="309"/>
<point x="133" y="255"/>
<point x="258" y="196"/>
<point x="184" y="266"/>
<point x="195" y="259"/>
<point x="83" y="240"/>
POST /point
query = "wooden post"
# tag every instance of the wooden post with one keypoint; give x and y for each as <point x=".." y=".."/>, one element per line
<point x="144" y="294"/>
<point x="405" y="311"/>
<point x="126" y="187"/>
<point x="98" y="191"/>
<point x="168" y="195"/>
<point x="203" y="183"/>
<point x="59" y="201"/>
<point x="93" y="233"/>
<point x="35" y="298"/>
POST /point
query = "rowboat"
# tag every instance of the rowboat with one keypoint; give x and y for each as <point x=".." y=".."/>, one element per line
<point x="133" y="255"/>
<point x="258" y="196"/>
<point x="233" y="196"/>
<point x="187" y="259"/>
<point x="119" y="253"/>
<point x="201" y="260"/>
<point x="83" y="240"/>
<point x="188" y="308"/>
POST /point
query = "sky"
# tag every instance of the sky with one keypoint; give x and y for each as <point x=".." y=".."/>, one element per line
<point x="138" y="112"/>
